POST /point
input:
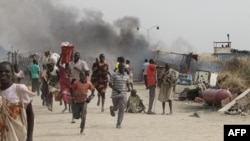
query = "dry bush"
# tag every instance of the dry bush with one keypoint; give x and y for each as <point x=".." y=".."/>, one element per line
<point x="226" y="80"/>
<point x="208" y="57"/>
<point x="235" y="75"/>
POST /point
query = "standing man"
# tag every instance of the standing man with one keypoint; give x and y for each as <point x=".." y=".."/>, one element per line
<point x="118" y="83"/>
<point x="168" y="77"/>
<point x="34" y="75"/>
<point x="129" y="68"/>
<point x="99" y="78"/>
<point x="75" y="67"/>
<point x="151" y="77"/>
<point x="144" y="72"/>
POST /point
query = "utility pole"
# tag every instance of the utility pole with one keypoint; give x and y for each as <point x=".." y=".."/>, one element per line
<point x="148" y="29"/>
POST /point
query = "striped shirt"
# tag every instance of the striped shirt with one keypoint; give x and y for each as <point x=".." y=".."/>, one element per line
<point x="119" y="82"/>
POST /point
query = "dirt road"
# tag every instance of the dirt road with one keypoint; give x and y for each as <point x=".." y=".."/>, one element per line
<point x="56" y="126"/>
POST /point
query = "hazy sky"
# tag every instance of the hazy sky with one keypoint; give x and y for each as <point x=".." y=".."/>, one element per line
<point x="185" y="25"/>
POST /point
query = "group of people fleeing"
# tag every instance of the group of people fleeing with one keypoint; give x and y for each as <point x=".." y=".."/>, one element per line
<point x="73" y="84"/>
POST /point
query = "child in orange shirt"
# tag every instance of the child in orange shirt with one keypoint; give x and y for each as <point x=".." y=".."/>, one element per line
<point x="80" y="98"/>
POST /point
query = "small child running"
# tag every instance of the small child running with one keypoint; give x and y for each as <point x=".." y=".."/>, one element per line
<point x="80" y="95"/>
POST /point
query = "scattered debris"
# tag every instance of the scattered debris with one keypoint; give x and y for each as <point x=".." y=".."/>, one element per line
<point x="198" y="100"/>
<point x="232" y="112"/>
<point x="240" y="105"/>
<point x="228" y="100"/>
<point x="195" y="115"/>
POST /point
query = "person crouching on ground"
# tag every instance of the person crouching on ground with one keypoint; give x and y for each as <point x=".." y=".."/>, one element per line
<point x="135" y="104"/>
<point x="119" y="81"/>
<point x="80" y="94"/>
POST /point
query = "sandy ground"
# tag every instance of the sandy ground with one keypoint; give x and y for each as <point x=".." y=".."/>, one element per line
<point x="56" y="126"/>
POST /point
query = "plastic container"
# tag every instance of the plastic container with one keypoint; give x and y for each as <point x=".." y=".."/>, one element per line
<point x="67" y="54"/>
<point x="213" y="97"/>
<point x="57" y="95"/>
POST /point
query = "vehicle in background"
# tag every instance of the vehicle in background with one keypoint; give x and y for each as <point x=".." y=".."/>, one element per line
<point x="189" y="88"/>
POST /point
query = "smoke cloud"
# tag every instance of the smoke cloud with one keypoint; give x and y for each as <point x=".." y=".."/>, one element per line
<point x="37" y="26"/>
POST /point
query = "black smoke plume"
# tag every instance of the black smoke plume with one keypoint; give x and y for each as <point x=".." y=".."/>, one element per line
<point x="37" y="26"/>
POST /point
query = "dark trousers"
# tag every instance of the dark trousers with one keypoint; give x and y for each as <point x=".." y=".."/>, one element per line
<point x="35" y="85"/>
<point x="30" y="122"/>
<point x="145" y="80"/>
<point x="120" y="105"/>
<point x="79" y="110"/>
<point x="49" y="100"/>
<point x="151" y="98"/>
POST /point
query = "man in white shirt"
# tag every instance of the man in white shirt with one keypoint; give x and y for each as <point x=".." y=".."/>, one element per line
<point x="76" y="66"/>
<point x="144" y="72"/>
